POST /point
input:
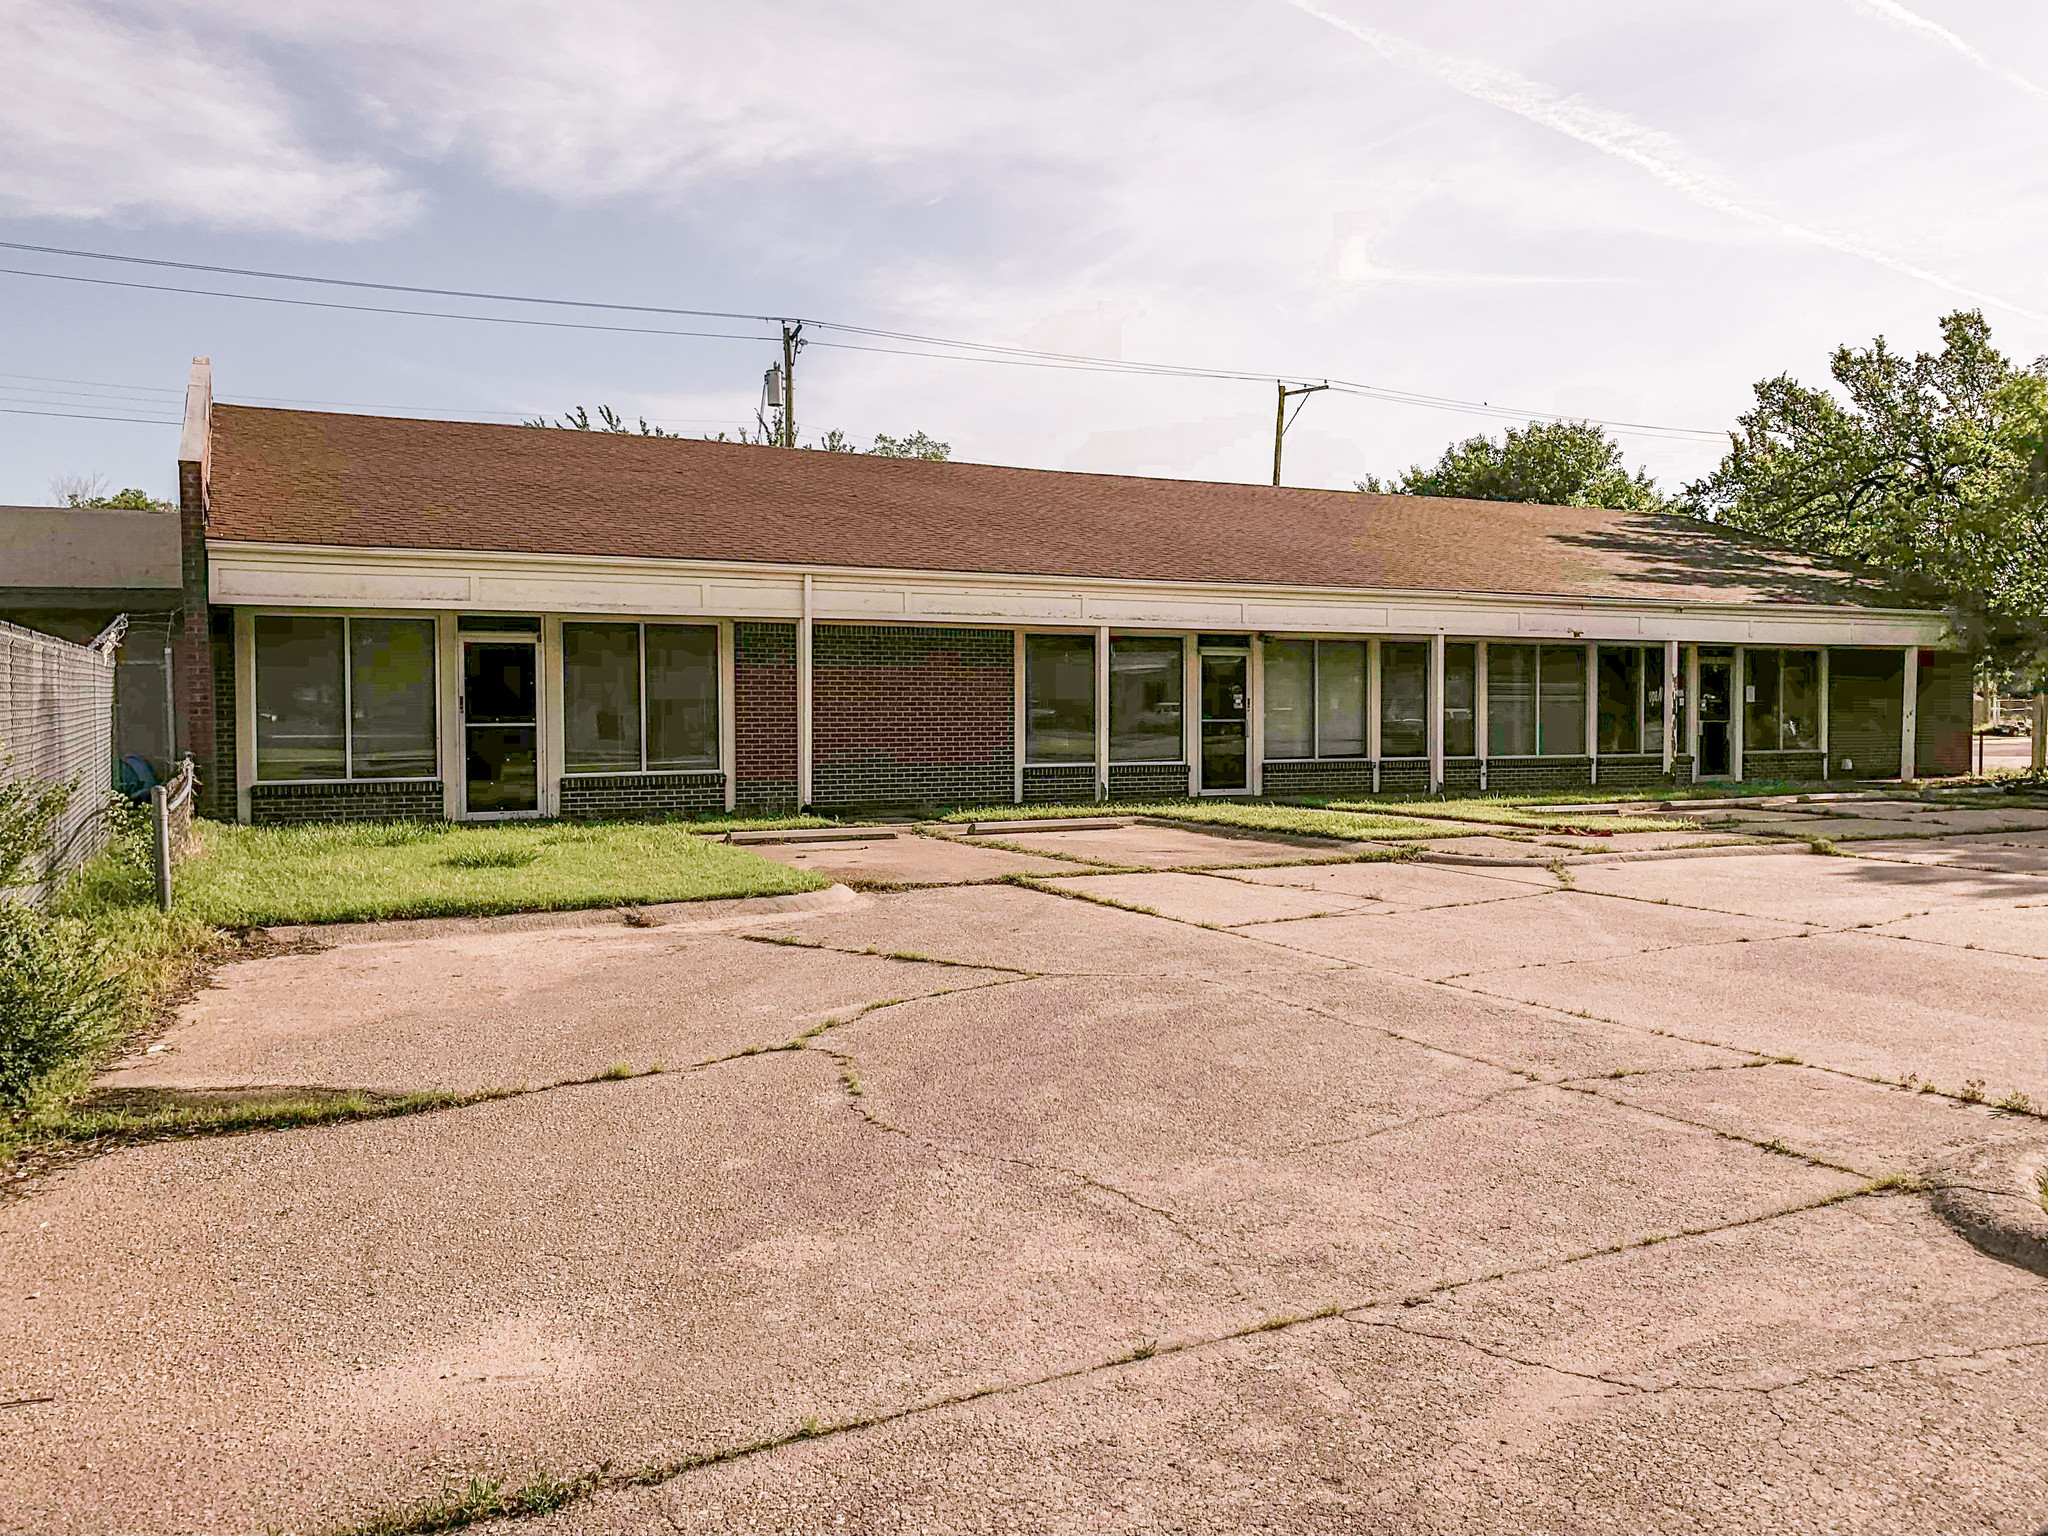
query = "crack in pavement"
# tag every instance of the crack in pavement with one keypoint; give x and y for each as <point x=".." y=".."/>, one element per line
<point x="657" y="1475"/>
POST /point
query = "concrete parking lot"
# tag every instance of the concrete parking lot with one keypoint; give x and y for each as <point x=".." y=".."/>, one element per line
<point x="1558" y="1194"/>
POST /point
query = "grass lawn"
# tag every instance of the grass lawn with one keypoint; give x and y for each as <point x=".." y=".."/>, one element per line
<point x="1373" y="822"/>
<point x="247" y="876"/>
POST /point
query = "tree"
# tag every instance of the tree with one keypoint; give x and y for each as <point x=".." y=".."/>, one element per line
<point x="1561" y="463"/>
<point x="608" y="420"/>
<point x="86" y="491"/>
<point x="1934" y="465"/>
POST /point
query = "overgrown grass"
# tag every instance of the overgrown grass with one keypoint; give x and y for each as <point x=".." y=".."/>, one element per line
<point x="251" y="876"/>
<point x="1519" y="811"/>
<point x="1302" y="820"/>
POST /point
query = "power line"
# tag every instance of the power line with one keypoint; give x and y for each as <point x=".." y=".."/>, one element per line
<point x="145" y="421"/>
<point x="957" y="350"/>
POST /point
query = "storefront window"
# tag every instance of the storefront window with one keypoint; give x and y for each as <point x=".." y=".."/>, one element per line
<point x="1404" y="698"/>
<point x="601" y="698"/>
<point x="1144" y="699"/>
<point x="1511" y="700"/>
<point x="300" y="704"/>
<point x="1290" y="698"/>
<point x="1059" y="698"/>
<point x="1781" y="701"/>
<point x="1340" y="698"/>
<point x="1562" y="684"/>
<point x="342" y="698"/>
<point x="682" y="696"/>
<point x="1621" y="699"/>
<point x="1461" y="692"/>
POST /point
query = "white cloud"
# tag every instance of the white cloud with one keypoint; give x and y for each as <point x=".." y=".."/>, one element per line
<point x="103" y="120"/>
<point x="1913" y="21"/>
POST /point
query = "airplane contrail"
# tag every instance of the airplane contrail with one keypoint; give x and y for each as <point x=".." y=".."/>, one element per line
<point x="1613" y="133"/>
<point x="1892" y="11"/>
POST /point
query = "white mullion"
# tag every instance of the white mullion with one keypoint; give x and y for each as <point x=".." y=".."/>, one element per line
<point x="642" y="627"/>
<point x="1315" y="699"/>
<point x="348" y="701"/>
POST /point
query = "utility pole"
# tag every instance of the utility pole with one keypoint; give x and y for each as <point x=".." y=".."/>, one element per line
<point x="792" y="343"/>
<point x="1282" y="421"/>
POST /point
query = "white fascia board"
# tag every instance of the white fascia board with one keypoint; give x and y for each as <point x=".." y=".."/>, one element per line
<point x="247" y="574"/>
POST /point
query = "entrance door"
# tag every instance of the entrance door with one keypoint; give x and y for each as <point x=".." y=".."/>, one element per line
<point x="1226" y="686"/>
<point x="501" y="727"/>
<point x="1716" y="693"/>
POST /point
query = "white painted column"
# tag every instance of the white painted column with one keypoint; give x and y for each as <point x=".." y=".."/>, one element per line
<point x="550" y="732"/>
<point x="1670" y="712"/>
<point x="1255" y="718"/>
<point x="1372" y="709"/>
<point x="1593" y="707"/>
<point x="1019" y="722"/>
<point x="1433" y="713"/>
<point x="1738" y="711"/>
<point x="1102" y="712"/>
<point x="245" y="709"/>
<point x="1191" y="709"/>
<point x="1827" y="761"/>
<point x="1692" y="707"/>
<point x="1479" y="707"/>
<point x="728" y="714"/>
<point x="1910" y="717"/>
<point x="803" y="702"/>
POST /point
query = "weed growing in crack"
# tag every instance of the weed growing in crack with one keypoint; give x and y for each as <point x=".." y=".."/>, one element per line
<point x="1894" y="1183"/>
<point x="617" y="1072"/>
<point x="485" y="1498"/>
<point x="1777" y="1146"/>
<point x="1972" y="1091"/>
<point x="2016" y="1103"/>
<point x="1146" y="1350"/>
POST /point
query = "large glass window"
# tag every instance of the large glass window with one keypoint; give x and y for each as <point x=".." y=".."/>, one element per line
<point x="1290" y="698"/>
<point x="1461" y="692"/>
<point x="1315" y="698"/>
<point x="1621" y="699"/>
<point x="391" y="698"/>
<point x="682" y="696"/>
<point x="340" y="698"/>
<point x="1059" y="698"/>
<point x="639" y="696"/>
<point x="1340" y="698"/>
<point x="1562" y="685"/>
<point x="1404" y="698"/>
<point x="1511" y="700"/>
<point x="601" y="698"/>
<point x="1781" y="701"/>
<point x="1144" y="699"/>
<point x="300" y="705"/>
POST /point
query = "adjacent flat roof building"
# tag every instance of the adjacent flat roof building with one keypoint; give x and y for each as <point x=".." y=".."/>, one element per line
<point x="394" y="617"/>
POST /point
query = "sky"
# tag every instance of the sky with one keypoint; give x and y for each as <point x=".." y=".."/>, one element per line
<point x="1590" y="207"/>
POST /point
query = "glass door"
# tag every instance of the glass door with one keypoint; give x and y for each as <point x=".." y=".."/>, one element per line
<point x="1226" y="678"/>
<point x="501" y="727"/>
<point x="1716" y="694"/>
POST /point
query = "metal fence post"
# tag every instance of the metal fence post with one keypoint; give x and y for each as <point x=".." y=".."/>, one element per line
<point x="160" y="843"/>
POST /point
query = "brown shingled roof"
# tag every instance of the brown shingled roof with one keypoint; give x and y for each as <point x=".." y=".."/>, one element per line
<point x="311" y="477"/>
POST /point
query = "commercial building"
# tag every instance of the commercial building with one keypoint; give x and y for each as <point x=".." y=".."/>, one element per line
<point x="393" y="617"/>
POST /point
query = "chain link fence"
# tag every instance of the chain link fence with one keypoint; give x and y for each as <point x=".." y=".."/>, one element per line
<point x="57" y="726"/>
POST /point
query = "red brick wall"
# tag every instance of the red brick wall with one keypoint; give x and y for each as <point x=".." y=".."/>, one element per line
<point x="764" y="717"/>
<point x="911" y="715"/>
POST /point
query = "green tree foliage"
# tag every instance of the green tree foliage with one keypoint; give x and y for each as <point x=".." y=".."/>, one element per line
<point x="1935" y="465"/>
<point x="915" y="446"/>
<point x="131" y="500"/>
<point x="1559" y="463"/>
<point x="607" y="420"/>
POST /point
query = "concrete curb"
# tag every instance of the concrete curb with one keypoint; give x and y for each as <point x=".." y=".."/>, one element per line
<point x="1993" y="1198"/>
<point x="1632" y="856"/>
<point x="685" y="916"/>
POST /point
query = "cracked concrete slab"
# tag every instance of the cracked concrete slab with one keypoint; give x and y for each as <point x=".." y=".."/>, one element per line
<point x="1404" y="885"/>
<point x="910" y="860"/>
<point x="1565" y="924"/>
<point x="1858" y="1002"/>
<point x="1327" y="1160"/>
<point x="1002" y="925"/>
<point x="307" y="1328"/>
<point x="1212" y="899"/>
<point x="2002" y="857"/>
<point x="2018" y="929"/>
<point x="1173" y="847"/>
<point x="486" y="1010"/>
<point x="1677" y="1389"/>
<point x="1871" y="1127"/>
<point x="1833" y="893"/>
